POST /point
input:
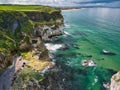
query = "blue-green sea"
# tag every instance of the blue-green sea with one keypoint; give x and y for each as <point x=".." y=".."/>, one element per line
<point x="90" y="30"/>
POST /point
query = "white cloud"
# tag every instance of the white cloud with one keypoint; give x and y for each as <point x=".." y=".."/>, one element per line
<point x="38" y="1"/>
<point x="59" y="2"/>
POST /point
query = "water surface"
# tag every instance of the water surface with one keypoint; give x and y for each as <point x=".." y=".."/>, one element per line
<point x="91" y="30"/>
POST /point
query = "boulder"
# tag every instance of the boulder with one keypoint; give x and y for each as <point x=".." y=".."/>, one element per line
<point x="115" y="82"/>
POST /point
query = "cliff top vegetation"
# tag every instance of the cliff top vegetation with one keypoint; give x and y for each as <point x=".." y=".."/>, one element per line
<point x="32" y="8"/>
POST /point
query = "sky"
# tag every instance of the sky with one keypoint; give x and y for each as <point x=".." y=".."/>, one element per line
<point x="81" y="3"/>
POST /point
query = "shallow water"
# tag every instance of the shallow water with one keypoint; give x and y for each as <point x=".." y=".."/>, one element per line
<point x="89" y="31"/>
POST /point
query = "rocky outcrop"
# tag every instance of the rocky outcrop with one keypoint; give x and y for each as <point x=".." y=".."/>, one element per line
<point x="17" y="27"/>
<point x="53" y="79"/>
<point x="44" y="16"/>
<point x="115" y="82"/>
<point x="46" y="32"/>
<point x="23" y="32"/>
<point x="5" y="61"/>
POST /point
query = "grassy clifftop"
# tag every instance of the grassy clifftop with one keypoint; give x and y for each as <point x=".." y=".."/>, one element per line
<point x="38" y="8"/>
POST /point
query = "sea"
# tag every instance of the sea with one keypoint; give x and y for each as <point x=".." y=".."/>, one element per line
<point x="89" y="31"/>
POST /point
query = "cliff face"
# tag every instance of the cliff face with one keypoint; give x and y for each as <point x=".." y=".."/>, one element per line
<point x="46" y="32"/>
<point x="22" y="32"/>
<point x="5" y="61"/>
<point x="115" y="82"/>
<point x="17" y="28"/>
<point x="43" y="16"/>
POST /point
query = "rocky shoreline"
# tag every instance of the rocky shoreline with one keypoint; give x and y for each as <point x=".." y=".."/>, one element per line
<point x="28" y="31"/>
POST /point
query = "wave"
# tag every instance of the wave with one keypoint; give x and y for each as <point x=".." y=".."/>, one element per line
<point x="67" y="26"/>
<point x="53" y="47"/>
<point x="66" y="33"/>
<point x="95" y="80"/>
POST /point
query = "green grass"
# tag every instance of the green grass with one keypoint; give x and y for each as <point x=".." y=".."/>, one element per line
<point x="6" y="36"/>
<point x="28" y="74"/>
<point x="37" y="8"/>
<point x="6" y="41"/>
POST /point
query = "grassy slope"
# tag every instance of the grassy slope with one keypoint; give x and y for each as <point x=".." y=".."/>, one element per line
<point x="37" y="8"/>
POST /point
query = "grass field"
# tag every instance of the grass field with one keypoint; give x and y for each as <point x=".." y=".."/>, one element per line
<point x="39" y="8"/>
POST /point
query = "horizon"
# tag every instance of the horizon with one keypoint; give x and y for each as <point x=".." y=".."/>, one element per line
<point x="67" y="3"/>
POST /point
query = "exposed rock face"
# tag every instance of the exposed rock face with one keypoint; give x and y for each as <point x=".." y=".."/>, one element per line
<point x="115" y="82"/>
<point x="54" y="80"/>
<point x="5" y="61"/>
<point x="44" y="16"/>
<point x="46" y="32"/>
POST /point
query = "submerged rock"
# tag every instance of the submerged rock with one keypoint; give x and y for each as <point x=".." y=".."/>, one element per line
<point x="106" y="52"/>
<point x="89" y="63"/>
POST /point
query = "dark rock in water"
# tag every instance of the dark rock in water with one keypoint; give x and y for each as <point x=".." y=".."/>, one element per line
<point x="102" y="58"/>
<point x="89" y="56"/>
<point x="106" y="52"/>
<point x="80" y="33"/>
<point x="76" y="46"/>
<point x="112" y="71"/>
<point x="55" y="39"/>
<point x="59" y="55"/>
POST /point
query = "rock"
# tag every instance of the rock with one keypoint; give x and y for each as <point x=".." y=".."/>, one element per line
<point x="89" y="63"/>
<point x="25" y="46"/>
<point x="5" y="61"/>
<point x="89" y="56"/>
<point x="115" y="82"/>
<point x="106" y="52"/>
<point x="44" y="55"/>
<point x="2" y="56"/>
<point x="47" y="32"/>
<point x="75" y="46"/>
<point x="55" y="39"/>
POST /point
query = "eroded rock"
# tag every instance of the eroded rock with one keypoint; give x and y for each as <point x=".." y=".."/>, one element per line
<point x="115" y="82"/>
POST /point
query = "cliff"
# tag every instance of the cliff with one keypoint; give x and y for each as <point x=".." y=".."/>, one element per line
<point x="115" y="82"/>
<point x="20" y="28"/>
<point x="23" y="30"/>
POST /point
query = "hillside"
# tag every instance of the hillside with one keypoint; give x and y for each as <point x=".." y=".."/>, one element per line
<point x="20" y="24"/>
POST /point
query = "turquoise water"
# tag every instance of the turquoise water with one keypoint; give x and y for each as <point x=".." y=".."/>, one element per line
<point x="91" y="30"/>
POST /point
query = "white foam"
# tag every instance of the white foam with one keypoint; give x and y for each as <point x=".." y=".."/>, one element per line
<point x="95" y="80"/>
<point x="67" y="26"/>
<point x="66" y="33"/>
<point x="53" y="47"/>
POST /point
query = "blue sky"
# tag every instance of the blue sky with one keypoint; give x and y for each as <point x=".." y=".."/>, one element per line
<point x="108" y="3"/>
